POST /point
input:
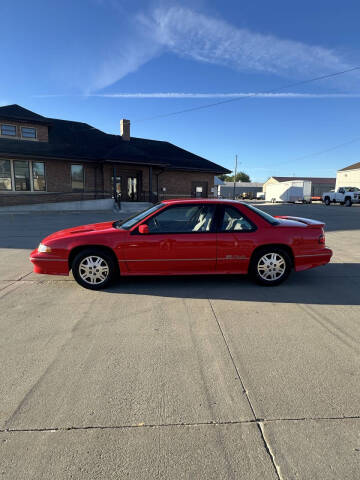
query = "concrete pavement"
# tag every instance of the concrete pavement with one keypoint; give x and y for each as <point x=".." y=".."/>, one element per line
<point x="209" y="377"/>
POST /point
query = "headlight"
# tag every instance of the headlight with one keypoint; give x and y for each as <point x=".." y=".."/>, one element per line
<point x="43" y="248"/>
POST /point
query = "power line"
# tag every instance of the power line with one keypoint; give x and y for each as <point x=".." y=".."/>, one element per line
<point x="314" y="154"/>
<point x="321" y="152"/>
<point x="222" y="102"/>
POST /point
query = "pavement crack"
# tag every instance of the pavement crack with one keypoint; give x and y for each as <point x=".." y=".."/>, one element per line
<point x="232" y="360"/>
<point x="270" y="451"/>
<point x="259" y="422"/>
<point x="266" y="445"/>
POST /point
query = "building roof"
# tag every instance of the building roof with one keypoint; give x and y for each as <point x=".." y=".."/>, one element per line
<point x="218" y="181"/>
<point x="79" y="141"/>
<point x="311" y="179"/>
<point x="244" y="184"/>
<point x="21" y="114"/>
<point x="354" y="166"/>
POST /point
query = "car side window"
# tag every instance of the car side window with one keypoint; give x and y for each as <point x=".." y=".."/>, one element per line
<point x="183" y="219"/>
<point x="234" y="221"/>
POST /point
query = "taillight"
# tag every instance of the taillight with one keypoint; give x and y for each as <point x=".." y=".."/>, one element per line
<point x="322" y="238"/>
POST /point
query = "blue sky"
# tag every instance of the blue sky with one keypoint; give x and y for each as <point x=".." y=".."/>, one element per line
<point x="81" y="61"/>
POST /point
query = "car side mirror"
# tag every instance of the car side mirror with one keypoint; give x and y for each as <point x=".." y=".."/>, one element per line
<point x="144" y="229"/>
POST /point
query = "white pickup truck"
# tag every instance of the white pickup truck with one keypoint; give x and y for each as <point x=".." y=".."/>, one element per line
<point x="343" y="195"/>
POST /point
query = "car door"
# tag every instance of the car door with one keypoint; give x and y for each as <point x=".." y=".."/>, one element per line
<point x="237" y="236"/>
<point x="339" y="195"/>
<point x="181" y="240"/>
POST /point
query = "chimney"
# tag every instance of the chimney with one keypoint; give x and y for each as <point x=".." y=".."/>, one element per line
<point x="125" y="129"/>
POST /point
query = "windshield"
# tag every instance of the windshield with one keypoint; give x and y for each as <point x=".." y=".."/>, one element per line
<point x="134" y="219"/>
<point x="265" y="216"/>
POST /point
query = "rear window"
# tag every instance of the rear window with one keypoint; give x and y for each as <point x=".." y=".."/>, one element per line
<point x="269" y="218"/>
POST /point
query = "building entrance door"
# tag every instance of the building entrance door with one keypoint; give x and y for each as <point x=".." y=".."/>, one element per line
<point x="132" y="189"/>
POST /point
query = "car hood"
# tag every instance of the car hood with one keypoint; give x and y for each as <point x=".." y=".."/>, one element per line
<point x="83" y="229"/>
<point x="288" y="221"/>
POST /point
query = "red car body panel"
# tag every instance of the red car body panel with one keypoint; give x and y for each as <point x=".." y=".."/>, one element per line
<point x="187" y="253"/>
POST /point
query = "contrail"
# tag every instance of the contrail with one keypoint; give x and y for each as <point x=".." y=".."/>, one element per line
<point x="175" y="95"/>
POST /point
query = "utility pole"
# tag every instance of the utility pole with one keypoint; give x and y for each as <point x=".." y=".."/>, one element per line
<point x="236" y="158"/>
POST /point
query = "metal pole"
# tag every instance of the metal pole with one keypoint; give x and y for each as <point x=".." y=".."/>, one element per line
<point x="150" y="184"/>
<point x="236" y="159"/>
<point x="114" y="183"/>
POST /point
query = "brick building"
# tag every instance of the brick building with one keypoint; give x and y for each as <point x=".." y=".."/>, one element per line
<point x="50" y="160"/>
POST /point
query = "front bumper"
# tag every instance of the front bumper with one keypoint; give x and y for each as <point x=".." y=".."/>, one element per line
<point x="47" y="264"/>
<point x="315" y="258"/>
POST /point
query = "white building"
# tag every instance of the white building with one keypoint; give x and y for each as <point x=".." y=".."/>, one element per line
<point x="319" y="185"/>
<point x="348" y="176"/>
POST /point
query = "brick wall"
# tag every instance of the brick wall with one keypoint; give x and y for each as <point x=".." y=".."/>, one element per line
<point x="179" y="184"/>
<point x="58" y="176"/>
<point x="31" y="198"/>
<point x="58" y="183"/>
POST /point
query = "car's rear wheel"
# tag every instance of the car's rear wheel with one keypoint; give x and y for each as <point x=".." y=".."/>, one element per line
<point x="93" y="269"/>
<point x="327" y="201"/>
<point x="270" y="266"/>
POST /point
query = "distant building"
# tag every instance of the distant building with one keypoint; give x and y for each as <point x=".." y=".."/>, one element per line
<point x="51" y="160"/>
<point x="349" y="176"/>
<point x="319" y="185"/>
<point x="226" y="190"/>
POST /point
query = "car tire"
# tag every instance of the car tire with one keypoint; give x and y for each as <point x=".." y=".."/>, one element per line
<point x="270" y="266"/>
<point x="327" y="201"/>
<point x="93" y="268"/>
<point x="348" y="202"/>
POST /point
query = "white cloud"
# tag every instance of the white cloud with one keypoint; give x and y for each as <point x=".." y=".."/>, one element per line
<point x="207" y="39"/>
<point x="132" y="56"/>
<point x="194" y="35"/>
<point x="184" y="32"/>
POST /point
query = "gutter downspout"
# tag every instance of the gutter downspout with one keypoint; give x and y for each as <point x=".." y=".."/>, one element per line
<point x="157" y="182"/>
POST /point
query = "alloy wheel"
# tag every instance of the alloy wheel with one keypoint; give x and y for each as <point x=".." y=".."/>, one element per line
<point x="271" y="266"/>
<point x="93" y="270"/>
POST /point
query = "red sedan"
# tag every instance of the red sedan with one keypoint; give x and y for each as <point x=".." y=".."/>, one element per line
<point x="180" y="237"/>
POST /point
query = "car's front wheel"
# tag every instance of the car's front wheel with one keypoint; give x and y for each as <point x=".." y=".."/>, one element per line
<point x="93" y="268"/>
<point x="270" y="266"/>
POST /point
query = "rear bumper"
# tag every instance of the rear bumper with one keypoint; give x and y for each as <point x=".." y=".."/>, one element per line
<point x="313" y="259"/>
<point x="44" y="263"/>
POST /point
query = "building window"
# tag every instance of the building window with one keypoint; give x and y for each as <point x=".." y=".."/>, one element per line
<point x="5" y="175"/>
<point x="22" y="175"/>
<point x="77" y="178"/>
<point x="38" y="174"/>
<point x="28" y="132"/>
<point x="8" y="130"/>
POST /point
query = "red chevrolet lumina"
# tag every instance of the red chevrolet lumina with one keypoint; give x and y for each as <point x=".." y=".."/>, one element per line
<point x="179" y="237"/>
